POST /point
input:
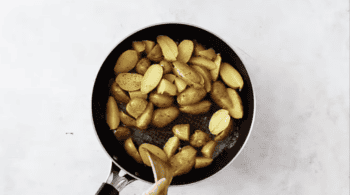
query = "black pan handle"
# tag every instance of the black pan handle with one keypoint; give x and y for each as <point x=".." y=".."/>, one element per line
<point x="117" y="180"/>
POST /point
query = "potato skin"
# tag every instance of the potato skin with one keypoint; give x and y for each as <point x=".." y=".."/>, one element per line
<point x="131" y="150"/>
<point x="127" y="120"/>
<point x="198" y="108"/>
<point x="220" y="96"/>
<point x="161" y="100"/>
<point x="184" y="160"/>
<point x="136" y="107"/>
<point x="142" y="66"/>
<point x="119" y="94"/>
<point x="145" y="118"/>
<point x="129" y="81"/>
<point x="191" y="96"/>
<point x="202" y="162"/>
<point x="208" y="149"/>
<point x="182" y="131"/>
<point x="163" y="116"/>
<point x="237" y="109"/>
<point x="199" y="138"/>
<point x="171" y="146"/>
<point x="185" y="72"/>
<point x="167" y="67"/>
<point x="112" y="113"/>
<point x="126" y="61"/>
<point x="122" y="133"/>
<point x="154" y="150"/>
<point x="224" y="133"/>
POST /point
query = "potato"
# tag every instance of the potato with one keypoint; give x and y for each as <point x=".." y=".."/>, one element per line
<point x="164" y="116"/>
<point x="136" y="107"/>
<point x="142" y="66"/>
<point x="208" y="149"/>
<point x="170" y="77"/>
<point x="231" y="76"/>
<point x="209" y="54"/>
<point x="202" y="162"/>
<point x="171" y="146"/>
<point x="112" y="113"/>
<point x="139" y="46"/>
<point x="167" y="67"/>
<point x="219" y="121"/>
<point x="199" y="138"/>
<point x="129" y="81"/>
<point x="184" y="160"/>
<point x="237" y="110"/>
<point x="154" y="150"/>
<point x="167" y="88"/>
<point x="156" y="54"/>
<point x="119" y="94"/>
<point x="126" y="61"/>
<point x="206" y="76"/>
<point x="197" y="48"/>
<point x="191" y="96"/>
<point x="180" y="84"/>
<point x="208" y="64"/>
<point x="161" y="100"/>
<point x="137" y="94"/>
<point x="122" y="133"/>
<point x="215" y="72"/>
<point x="145" y="118"/>
<point x="185" y="51"/>
<point x="127" y="120"/>
<point x="224" y="133"/>
<point x="169" y="48"/>
<point x="149" y="46"/>
<point x="185" y="72"/>
<point x="220" y="96"/>
<point x="182" y="131"/>
<point x="131" y="150"/>
<point x="151" y="78"/>
<point x="198" y="108"/>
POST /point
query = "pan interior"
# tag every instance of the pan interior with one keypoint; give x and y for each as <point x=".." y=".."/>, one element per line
<point x="226" y="149"/>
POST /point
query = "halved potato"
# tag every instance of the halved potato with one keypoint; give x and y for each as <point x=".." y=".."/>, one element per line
<point x="199" y="138"/>
<point x="198" y="108"/>
<point x="202" y="162"/>
<point x="154" y="150"/>
<point x="112" y="114"/>
<point x="184" y="160"/>
<point x="122" y="133"/>
<point x="137" y="94"/>
<point x="182" y="131"/>
<point x="131" y="150"/>
<point x="119" y="94"/>
<point x="136" y="107"/>
<point x="127" y="120"/>
<point x="224" y="133"/>
<point x="161" y="100"/>
<point x="163" y="116"/>
<point x="171" y="146"/>
<point x="145" y="118"/>
<point x="208" y="149"/>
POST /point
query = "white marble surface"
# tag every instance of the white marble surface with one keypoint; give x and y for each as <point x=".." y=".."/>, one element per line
<point x="297" y="53"/>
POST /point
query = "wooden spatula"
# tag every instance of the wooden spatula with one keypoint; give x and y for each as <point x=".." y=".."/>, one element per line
<point x="161" y="169"/>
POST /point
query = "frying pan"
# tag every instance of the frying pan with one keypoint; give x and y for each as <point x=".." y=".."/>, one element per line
<point x="124" y="168"/>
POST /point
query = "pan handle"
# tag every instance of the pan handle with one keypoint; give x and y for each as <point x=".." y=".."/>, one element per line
<point x="117" y="180"/>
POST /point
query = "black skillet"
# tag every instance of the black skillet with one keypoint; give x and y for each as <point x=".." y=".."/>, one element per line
<point x="226" y="150"/>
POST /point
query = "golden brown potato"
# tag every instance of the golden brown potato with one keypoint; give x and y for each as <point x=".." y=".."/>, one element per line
<point x="156" y="54"/>
<point x="237" y="110"/>
<point x="127" y="120"/>
<point x="224" y="133"/>
<point x="199" y="138"/>
<point x="129" y="81"/>
<point x="184" y="160"/>
<point x="171" y="146"/>
<point x="131" y="150"/>
<point x="126" y="61"/>
<point x="148" y="46"/>
<point x="231" y="76"/>
<point x="185" y="72"/>
<point x="200" y="61"/>
<point x="151" y="78"/>
<point x="122" y="133"/>
<point x="209" y="54"/>
<point x="167" y="67"/>
<point x="169" y="48"/>
<point x="161" y="100"/>
<point x="170" y="77"/>
<point x="197" y="48"/>
<point x="166" y="87"/>
<point x="220" y="96"/>
<point x="154" y="150"/>
<point x="198" y="108"/>
<point x="202" y="162"/>
<point x="182" y="131"/>
<point x="219" y="122"/>
<point x="137" y="94"/>
<point x="191" y="96"/>
<point x="185" y="51"/>
<point x="142" y="65"/>
<point x="215" y="72"/>
<point x="139" y="46"/>
<point x="206" y="76"/>
<point x="145" y="118"/>
<point x="180" y="84"/>
<point x="136" y="107"/>
<point x="208" y="149"/>
<point x="112" y="113"/>
<point x="119" y="94"/>
<point x="163" y="116"/>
